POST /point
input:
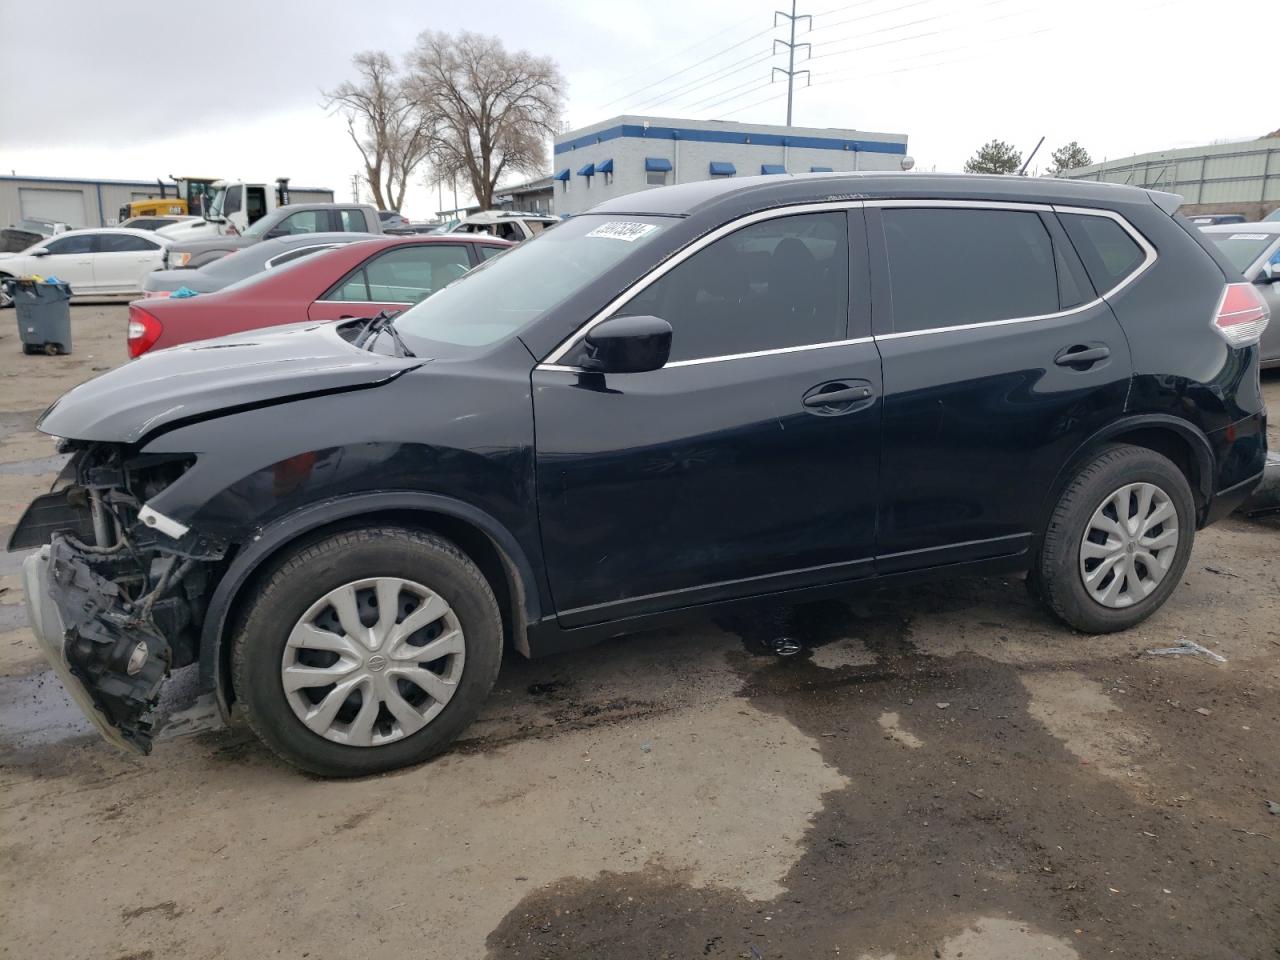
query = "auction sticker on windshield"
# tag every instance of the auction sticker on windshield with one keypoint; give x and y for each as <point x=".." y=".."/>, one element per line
<point x="1239" y="236"/>
<point x="627" y="230"/>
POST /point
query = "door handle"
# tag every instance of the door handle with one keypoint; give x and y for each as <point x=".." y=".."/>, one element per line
<point x="1080" y="356"/>
<point x="833" y="397"/>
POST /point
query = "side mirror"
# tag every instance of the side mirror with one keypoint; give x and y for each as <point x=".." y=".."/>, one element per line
<point x="628" y="345"/>
<point x="40" y="253"/>
<point x="274" y="233"/>
<point x="1270" y="273"/>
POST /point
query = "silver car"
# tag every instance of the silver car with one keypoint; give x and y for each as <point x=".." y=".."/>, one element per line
<point x="235" y="267"/>
<point x="1254" y="250"/>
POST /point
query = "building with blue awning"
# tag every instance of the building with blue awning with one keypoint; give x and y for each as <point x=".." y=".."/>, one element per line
<point x="628" y="153"/>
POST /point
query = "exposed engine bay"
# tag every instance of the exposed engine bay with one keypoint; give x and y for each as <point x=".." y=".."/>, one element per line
<point x="122" y="590"/>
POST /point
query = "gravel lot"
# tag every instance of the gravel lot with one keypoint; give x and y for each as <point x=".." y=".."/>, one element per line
<point x="944" y="773"/>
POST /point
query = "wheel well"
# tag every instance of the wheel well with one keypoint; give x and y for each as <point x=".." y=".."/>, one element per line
<point x="1171" y="444"/>
<point x="1166" y="441"/>
<point x="498" y="569"/>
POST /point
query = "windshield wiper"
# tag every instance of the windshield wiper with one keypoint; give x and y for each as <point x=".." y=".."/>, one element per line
<point x="373" y="328"/>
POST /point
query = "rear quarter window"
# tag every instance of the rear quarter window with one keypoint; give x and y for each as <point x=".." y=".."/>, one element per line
<point x="1107" y="250"/>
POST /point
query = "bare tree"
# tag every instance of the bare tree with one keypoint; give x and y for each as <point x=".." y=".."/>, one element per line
<point x="392" y="134"/>
<point x="493" y="110"/>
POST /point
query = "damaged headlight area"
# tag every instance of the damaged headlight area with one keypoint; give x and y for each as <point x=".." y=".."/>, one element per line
<point x="117" y="593"/>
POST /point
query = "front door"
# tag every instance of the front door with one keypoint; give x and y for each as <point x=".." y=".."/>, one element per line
<point x="71" y="259"/>
<point x="724" y="473"/>
<point x="999" y="361"/>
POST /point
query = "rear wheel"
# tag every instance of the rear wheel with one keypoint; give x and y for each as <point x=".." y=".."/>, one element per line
<point x="1118" y="541"/>
<point x="367" y="651"/>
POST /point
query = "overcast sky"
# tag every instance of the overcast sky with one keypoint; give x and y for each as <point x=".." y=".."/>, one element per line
<point x="88" y="93"/>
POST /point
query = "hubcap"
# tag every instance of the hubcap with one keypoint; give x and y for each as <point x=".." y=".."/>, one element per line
<point x="373" y="661"/>
<point x="1129" y="545"/>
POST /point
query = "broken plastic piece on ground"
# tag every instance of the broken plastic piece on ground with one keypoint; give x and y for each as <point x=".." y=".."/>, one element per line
<point x="1187" y="647"/>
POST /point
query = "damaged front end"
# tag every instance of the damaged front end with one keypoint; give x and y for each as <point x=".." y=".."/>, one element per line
<point x="116" y="592"/>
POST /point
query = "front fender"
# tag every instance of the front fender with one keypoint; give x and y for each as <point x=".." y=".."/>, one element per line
<point x="286" y="530"/>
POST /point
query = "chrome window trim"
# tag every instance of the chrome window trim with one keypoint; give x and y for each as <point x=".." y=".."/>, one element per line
<point x="295" y="253"/>
<point x="557" y="367"/>
<point x="1148" y="250"/>
<point x="679" y="257"/>
<point x="552" y="361"/>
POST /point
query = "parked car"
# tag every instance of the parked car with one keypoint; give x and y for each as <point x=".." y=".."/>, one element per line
<point x="237" y="266"/>
<point x="284" y="221"/>
<point x="772" y="388"/>
<point x="1209" y="219"/>
<point x="392" y="221"/>
<point x="350" y="280"/>
<point x="18" y="236"/>
<point x="1254" y="250"/>
<point x="109" y="261"/>
<point x="157" y="221"/>
<point x="505" y="224"/>
<point x="1273" y="215"/>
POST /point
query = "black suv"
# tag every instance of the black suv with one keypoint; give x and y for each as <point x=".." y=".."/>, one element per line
<point x="775" y="387"/>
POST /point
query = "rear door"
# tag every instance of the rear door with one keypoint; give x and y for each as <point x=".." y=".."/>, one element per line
<point x="723" y="474"/>
<point x="394" y="280"/>
<point x="999" y="360"/>
<point x="123" y="260"/>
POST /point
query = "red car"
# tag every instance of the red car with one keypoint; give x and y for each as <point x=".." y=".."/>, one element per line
<point x="354" y="280"/>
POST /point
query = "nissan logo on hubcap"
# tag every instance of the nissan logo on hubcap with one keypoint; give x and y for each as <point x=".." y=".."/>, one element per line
<point x="376" y="663"/>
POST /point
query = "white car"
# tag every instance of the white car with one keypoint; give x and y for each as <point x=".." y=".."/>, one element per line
<point x="103" y="262"/>
<point x="506" y="224"/>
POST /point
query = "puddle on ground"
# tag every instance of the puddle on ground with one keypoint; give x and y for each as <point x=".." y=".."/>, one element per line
<point x="37" y="712"/>
<point x="34" y="468"/>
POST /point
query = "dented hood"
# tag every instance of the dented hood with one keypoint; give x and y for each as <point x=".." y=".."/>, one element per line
<point x="216" y="377"/>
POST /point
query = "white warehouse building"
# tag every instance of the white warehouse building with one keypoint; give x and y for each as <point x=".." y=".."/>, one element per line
<point x="628" y="153"/>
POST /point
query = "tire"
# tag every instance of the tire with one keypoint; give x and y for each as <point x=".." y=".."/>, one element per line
<point x="301" y="583"/>
<point x="1059" y="573"/>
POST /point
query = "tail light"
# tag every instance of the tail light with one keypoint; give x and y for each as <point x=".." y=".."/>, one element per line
<point x="144" y="331"/>
<point x="1242" y="315"/>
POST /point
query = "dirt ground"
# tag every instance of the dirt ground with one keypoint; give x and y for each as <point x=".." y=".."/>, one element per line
<point x="944" y="773"/>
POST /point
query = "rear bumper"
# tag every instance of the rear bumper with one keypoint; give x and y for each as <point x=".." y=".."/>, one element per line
<point x="1265" y="496"/>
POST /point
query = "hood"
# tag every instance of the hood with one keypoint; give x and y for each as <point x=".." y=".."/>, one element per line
<point x="216" y="377"/>
<point x="197" y="247"/>
<point x="191" y="230"/>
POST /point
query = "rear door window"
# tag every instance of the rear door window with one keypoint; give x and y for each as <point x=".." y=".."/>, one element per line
<point x="1107" y="250"/>
<point x="124" y="243"/>
<point x="413" y="273"/>
<point x="956" y="266"/>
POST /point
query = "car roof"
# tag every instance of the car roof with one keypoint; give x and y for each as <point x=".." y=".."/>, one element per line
<point x="1263" y="226"/>
<point x="777" y="189"/>
<point x="497" y="216"/>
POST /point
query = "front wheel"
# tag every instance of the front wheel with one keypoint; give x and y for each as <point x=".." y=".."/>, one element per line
<point x="1118" y="541"/>
<point x="367" y="651"/>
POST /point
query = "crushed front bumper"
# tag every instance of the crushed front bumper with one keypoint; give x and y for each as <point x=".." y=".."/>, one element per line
<point x="111" y="663"/>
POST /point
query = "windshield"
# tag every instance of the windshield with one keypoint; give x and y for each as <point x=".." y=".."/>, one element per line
<point x="1242" y="248"/>
<point x="213" y="207"/>
<point x="505" y="293"/>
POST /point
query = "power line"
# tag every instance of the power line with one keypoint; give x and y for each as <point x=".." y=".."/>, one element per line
<point x="653" y="83"/>
<point x="706" y="80"/>
<point x="679" y="53"/>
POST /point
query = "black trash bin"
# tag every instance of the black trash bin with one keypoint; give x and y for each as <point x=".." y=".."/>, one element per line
<point x="44" y="315"/>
